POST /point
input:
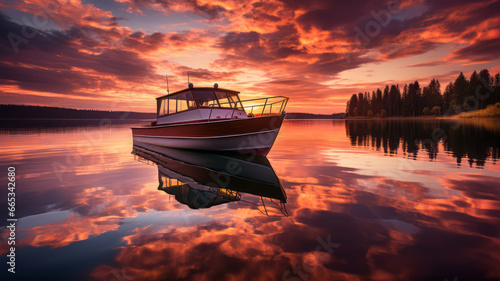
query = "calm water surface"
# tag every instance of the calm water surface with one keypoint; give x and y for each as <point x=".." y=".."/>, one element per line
<point x="355" y="200"/>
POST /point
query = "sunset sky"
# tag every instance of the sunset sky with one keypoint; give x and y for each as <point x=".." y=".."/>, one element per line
<point x="113" y="55"/>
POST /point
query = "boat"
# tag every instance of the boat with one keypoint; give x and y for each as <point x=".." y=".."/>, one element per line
<point x="214" y="119"/>
<point x="201" y="179"/>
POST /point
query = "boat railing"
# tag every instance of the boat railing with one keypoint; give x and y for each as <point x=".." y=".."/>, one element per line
<point x="265" y="106"/>
<point x="256" y="107"/>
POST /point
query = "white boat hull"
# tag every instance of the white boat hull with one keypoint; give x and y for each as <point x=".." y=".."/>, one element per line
<point x="244" y="143"/>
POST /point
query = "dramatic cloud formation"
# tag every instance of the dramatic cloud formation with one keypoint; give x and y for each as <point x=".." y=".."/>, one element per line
<point x="87" y="55"/>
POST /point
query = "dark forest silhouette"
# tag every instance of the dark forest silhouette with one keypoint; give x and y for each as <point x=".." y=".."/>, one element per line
<point x="299" y="115"/>
<point x="477" y="92"/>
<point x="11" y="111"/>
<point x="474" y="141"/>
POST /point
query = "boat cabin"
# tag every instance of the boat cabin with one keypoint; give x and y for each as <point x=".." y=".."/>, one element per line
<point x="199" y="104"/>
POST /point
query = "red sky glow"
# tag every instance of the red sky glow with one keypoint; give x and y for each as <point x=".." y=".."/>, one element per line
<point x="113" y="55"/>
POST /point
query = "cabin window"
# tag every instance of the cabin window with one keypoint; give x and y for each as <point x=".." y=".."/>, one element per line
<point x="172" y="105"/>
<point x="191" y="101"/>
<point x="223" y="99"/>
<point x="162" y="109"/>
<point x="206" y="98"/>
<point x="177" y="103"/>
<point x="182" y="104"/>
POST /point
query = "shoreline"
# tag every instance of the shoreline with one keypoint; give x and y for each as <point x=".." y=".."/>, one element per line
<point x="401" y="118"/>
<point x="454" y="117"/>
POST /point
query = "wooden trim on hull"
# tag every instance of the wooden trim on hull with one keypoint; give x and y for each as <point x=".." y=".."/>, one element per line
<point x="213" y="128"/>
<point x="259" y="143"/>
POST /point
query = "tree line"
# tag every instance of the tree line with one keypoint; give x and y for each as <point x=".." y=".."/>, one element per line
<point x="477" y="92"/>
<point x="301" y="115"/>
<point x="14" y="111"/>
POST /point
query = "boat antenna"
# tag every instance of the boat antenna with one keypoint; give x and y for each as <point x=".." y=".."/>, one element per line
<point x="189" y="84"/>
<point x="168" y="91"/>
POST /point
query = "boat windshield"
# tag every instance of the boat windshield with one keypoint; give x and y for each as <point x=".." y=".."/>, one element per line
<point x="223" y="99"/>
<point x="217" y="99"/>
<point x="206" y="98"/>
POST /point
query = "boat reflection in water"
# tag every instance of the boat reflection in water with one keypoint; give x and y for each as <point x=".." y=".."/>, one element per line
<point x="202" y="180"/>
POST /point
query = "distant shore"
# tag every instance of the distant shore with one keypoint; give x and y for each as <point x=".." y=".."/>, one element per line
<point x="451" y="117"/>
<point x="309" y="116"/>
<point x="401" y="118"/>
<point x="31" y="112"/>
<point x="14" y="111"/>
<point x="491" y="112"/>
<point x="66" y="123"/>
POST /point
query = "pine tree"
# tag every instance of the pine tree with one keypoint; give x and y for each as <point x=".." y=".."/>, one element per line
<point x="366" y="102"/>
<point x="426" y="96"/>
<point x="385" y="100"/>
<point x="471" y="102"/>
<point x="373" y="102"/>
<point x="361" y="104"/>
<point x="414" y="99"/>
<point x="448" y="92"/>
<point x="431" y="94"/>
<point x="486" y="92"/>
<point x="379" y="101"/>
<point x="353" y="103"/>
<point x="405" y="109"/>
<point x="460" y="88"/>
<point x="418" y="99"/>
<point x="394" y="101"/>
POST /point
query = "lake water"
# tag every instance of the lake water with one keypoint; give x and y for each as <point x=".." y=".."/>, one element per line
<point x="355" y="200"/>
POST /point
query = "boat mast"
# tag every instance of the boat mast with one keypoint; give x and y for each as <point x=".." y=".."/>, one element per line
<point x="189" y="84"/>
<point x="168" y="91"/>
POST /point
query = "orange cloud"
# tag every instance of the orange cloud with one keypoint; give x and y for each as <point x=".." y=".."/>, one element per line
<point x="241" y="43"/>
